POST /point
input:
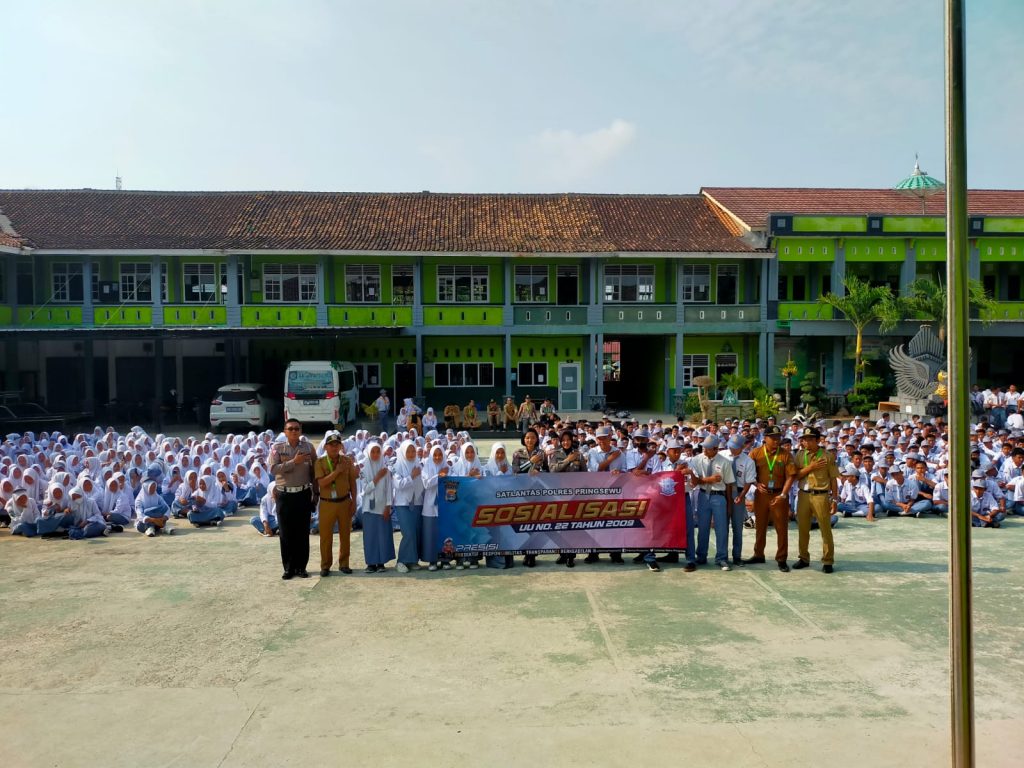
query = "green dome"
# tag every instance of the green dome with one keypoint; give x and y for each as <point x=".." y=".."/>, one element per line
<point x="919" y="183"/>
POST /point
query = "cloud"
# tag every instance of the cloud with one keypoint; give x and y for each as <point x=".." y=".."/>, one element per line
<point x="565" y="156"/>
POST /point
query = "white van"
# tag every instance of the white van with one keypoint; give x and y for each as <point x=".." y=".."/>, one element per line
<point x="321" y="392"/>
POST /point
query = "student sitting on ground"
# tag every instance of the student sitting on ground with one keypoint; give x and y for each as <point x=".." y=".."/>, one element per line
<point x="266" y="521"/>
<point x="205" y="510"/>
<point x="87" y="520"/>
<point x="152" y="511"/>
<point x="984" y="508"/>
<point x="24" y="513"/>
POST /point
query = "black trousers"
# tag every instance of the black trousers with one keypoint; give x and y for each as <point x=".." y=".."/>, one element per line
<point x="293" y="514"/>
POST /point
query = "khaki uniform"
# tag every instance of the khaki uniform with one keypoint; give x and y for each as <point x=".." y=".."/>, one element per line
<point x="337" y="505"/>
<point x="493" y="415"/>
<point x="814" y="500"/>
<point x="772" y="506"/>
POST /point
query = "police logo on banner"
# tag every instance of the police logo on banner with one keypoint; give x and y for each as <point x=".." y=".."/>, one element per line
<point x="667" y="487"/>
<point x="451" y="491"/>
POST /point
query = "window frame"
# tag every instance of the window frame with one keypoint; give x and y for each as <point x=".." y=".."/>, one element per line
<point x="692" y="368"/>
<point x="403" y="270"/>
<point x="132" y="296"/>
<point x="363" y="371"/>
<point x="730" y="270"/>
<point x="533" y="366"/>
<point x="531" y="271"/>
<point x="200" y="269"/>
<point x="366" y="273"/>
<point x="62" y="293"/>
<point x="451" y="273"/>
<point x="276" y="275"/>
<point x="449" y="367"/>
<point x="614" y="276"/>
<point x="689" y="284"/>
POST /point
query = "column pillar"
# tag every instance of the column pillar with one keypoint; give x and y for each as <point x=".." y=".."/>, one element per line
<point x="321" y="294"/>
<point x="158" y="382"/>
<point x="599" y="353"/>
<point x="89" y="382"/>
<point x="908" y="269"/>
<point x="837" y="363"/>
<point x="974" y="263"/>
<point x="417" y="292"/>
<point x="508" y="362"/>
<point x="419" y="364"/>
<point x="11" y="283"/>
<point x="839" y="269"/>
<point x="88" y="313"/>
<point x="155" y="292"/>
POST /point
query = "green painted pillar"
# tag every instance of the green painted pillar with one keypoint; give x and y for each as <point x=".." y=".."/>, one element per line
<point x="839" y="270"/>
<point x="908" y="270"/>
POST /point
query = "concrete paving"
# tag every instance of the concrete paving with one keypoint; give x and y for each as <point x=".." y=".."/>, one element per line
<point x="191" y="651"/>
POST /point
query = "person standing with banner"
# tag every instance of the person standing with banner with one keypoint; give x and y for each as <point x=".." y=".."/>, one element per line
<point x="529" y="460"/>
<point x="713" y="476"/>
<point x="291" y="464"/>
<point x="605" y="458"/>
<point x="817" y="475"/>
<point x="567" y="458"/>
<point x="775" y="473"/>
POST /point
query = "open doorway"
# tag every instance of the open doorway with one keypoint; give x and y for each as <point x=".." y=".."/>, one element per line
<point x="405" y="383"/>
<point x="634" y="372"/>
<point x="567" y="286"/>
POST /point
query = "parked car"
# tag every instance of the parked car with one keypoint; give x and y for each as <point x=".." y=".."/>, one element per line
<point x="243" y="404"/>
<point x="21" y="417"/>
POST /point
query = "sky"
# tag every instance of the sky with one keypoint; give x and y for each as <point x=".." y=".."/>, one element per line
<point x="609" y="96"/>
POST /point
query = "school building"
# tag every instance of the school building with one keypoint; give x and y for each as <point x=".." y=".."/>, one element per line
<point x="586" y="299"/>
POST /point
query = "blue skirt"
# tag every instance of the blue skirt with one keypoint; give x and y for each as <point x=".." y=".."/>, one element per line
<point x="378" y="540"/>
<point x="430" y="548"/>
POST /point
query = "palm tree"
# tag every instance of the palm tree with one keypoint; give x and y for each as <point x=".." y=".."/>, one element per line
<point x="926" y="300"/>
<point x="862" y="305"/>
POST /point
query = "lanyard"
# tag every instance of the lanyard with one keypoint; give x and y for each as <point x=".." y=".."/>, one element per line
<point x="330" y="467"/>
<point x="807" y="454"/>
<point x="771" y="462"/>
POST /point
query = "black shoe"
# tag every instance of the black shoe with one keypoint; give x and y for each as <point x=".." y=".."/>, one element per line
<point x="826" y="568"/>
<point x="593" y="557"/>
<point x="117" y="529"/>
<point x="638" y="560"/>
<point x="370" y="569"/>
<point x="303" y="574"/>
<point x="562" y="560"/>
<point x="617" y="558"/>
<point x="530" y="561"/>
<point x="325" y="572"/>
<point x="690" y="567"/>
<point x="571" y="562"/>
<point x="753" y="560"/>
<point x="346" y="571"/>
<point x="287" y="575"/>
<point x="800" y="564"/>
<point x="653" y="566"/>
<point x="671" y="557"/>
<point x="738" y="561"/>
<point x="783" y="567"/>
<point x="702" y="562"/>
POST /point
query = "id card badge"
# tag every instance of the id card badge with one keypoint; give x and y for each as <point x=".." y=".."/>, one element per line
<point x="771" y="485"/>
<point x="334" y="494"/>
<point x="373" y="503"/>
<point x="807" y="486"/>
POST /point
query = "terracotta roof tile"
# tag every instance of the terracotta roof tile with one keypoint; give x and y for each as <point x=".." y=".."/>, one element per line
<point x="566" y="223"/>
<point x="753" y="205"/>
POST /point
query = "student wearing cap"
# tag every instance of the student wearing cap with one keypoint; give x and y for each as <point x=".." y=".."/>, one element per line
<point x="774" y="476"/>
<point x="855" y="496"/>
<point x="674" y="462"/>
<point x="509" y="412"/>
<point x="605" y="458"/>
<point x="493" y="415"/>
<point x="985" y="512"/>
<point x="746" y="475"/>
<point x="817" y="476"/>
<point x="715" y="481"/>
<point x="336" y="477"/>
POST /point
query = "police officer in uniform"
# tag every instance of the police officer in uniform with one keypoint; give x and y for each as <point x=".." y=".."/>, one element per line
<point x="775" y="475"/>
<point x="817" y="478"/>
<point x="336" y="477"/>
<point x="291" y="464"/>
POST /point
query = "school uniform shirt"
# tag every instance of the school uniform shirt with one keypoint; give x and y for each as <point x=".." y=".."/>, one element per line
<point x="984" y="504"/>
<point x="705" y="466"/>
<point x="595" y="457"/>
<point x="408" y="489"/>
<point x="896" y="493"/>
<point x="28" y="514"/>
<point x="744" y="469"/>
<point x="855" y="493"/>
<point x="268" y="505"/>
<point x="376" y="494"/>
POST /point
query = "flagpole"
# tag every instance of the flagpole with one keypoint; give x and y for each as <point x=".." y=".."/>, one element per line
<point x="958" y="338"/>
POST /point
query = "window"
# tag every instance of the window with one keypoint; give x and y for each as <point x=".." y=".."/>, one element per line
<point x="532" y="284"/>
<point x="697" y="282"/>
<point x="463" y="374"/>
<point x="199" y="283"/>
<point x="368" y="374"/>
<point x="725" y="364"/>
<point x="1013" y="287"/>
<point x="135" y="282"/>
<point x="26" y="283"/>
<point x="402" y="284"/>
<point x="163" y="283"/>
<point x="95" y="289"/>
<point x="728" y="284"/>
<point x="532" y="374"/>
<point x="799" y="288"/>
<point x="628" y="282"/>
<point x="67" y="282"/>
<point x="362" y="283"/>
<point x="694" y="366"/>
<point x="462" y="284"/>
<point x="290" y="283"/>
